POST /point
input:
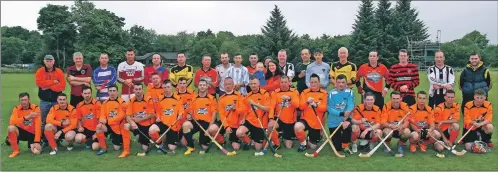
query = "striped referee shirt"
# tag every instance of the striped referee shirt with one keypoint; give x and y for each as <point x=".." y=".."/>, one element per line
<point x="239" y="75"/>
<point x="440" y="76"/>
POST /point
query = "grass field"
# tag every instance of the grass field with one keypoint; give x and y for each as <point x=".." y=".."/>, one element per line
<point x="84" y="160"/>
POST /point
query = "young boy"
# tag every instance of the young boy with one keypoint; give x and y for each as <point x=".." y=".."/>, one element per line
<point x="260" y="73"/>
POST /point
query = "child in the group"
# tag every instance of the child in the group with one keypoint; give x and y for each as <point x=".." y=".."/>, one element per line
<point x="260" y="73"/>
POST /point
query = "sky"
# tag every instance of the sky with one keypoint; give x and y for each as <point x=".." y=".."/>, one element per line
<point x="454" y="19"/>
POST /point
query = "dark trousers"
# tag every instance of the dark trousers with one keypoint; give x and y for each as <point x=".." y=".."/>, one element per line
<point x="436" y="99"/>
<point x="409" y="100"/>
<point x="341" y="136"/>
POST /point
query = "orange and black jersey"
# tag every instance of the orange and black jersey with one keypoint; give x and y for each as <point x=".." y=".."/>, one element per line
<point x="32" y="125"/>
<point x="289" y="113"/>
<point x="186" y="97"/>
<point x="392" y="115"/>
<point x="139" y="109"/>
<point x="373" y="115"/>
<point x="443" y="113"/>
<point x="225" y="102"/>
<point x="113" y="111"/>
<point x="57" y="114"/>
<point x="168" y="109"/>
<point x="261" y="97"/>
<point x="471" y="113"/>
<point x="88" y="114"/>
<point x="422" y="118"/>
<point x="154" y="92"/>
<point x="320" y="97"/>
<point x="203" y="108"/>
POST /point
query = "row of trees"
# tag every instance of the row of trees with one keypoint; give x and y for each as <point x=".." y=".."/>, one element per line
<point x="91" y="30"/>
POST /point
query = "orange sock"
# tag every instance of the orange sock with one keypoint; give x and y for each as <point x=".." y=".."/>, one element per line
<point x="274" y="138"/>
<point x="154" y="136"/>
<point x="453" y="135"/>
<point x="345" y="145"/>
<point x="220" y="139"/>
<point x="101" y="139"/>
<point x="246" y="139"/>
<point x="300" y="135"/>
<point x="354" y="136"/>
<point x="125" y="134"/>
<point x="49" y="134"/>
<point x="13" y="141"/>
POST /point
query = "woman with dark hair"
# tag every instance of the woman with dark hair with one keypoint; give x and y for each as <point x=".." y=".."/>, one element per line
<point x="272" y="77"/>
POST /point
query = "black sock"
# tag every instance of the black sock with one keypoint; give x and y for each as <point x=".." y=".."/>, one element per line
<point x="190" y="141"/>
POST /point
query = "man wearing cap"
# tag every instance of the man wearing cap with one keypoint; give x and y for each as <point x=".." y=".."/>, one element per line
<point x="320" y="68"/>
<point x="51" y="82"/>
<point x="78" y="75"/>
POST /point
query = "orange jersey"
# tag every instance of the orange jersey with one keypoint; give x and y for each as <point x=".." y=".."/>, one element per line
<point x="114" y="112"/>
<point x="320" y="97"/>
<point x="372" y="115"/>
<point x="422" y="118"/>
<point x="289" y="113"/>
<point x="154" y="92"/>
<point x="56" y="115"/>
<point x="225" y="102"/>
<point x="168" y="110"/>
<point x="393" y="115"/>
<point x="443" y="113"/>
<point x="472" y="112"/>
<point x="186" y="97"/>
<point x="140" y="109"/>
<point x="32" y="125"/>
<point x="261" y="97"/>
<point x="88" y="114"/>
<point x="202" y="108"/>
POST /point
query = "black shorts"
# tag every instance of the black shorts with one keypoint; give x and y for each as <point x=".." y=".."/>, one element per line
<point x="473" y="135"/>
<point x="232" y="137"/>
<point x="75" y="100"/>
<point x="88" y="134"/>
<point x="436" y="99"/>
<point x="25" y="136"/>
<point x="203" y="139"/>
<point x="446" y="134"/>
<point x="313" y="134"/>
<point x="287" y="130"/>
<point x="368" y="136"/>
<point x="257" y="134"/>
<point x="171" y="137"/>
<point x="396" y="134"/>
<point x="409" y="100"/>
<point x="141" y="139"/>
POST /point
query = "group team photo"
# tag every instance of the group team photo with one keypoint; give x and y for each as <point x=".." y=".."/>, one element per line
<point x="283" y="104"/>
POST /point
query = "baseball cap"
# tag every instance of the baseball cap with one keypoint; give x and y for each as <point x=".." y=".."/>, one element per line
<point x="48" y="57"/>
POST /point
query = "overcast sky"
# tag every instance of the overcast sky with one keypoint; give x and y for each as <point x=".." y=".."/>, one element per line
<point x="454" y="19"/>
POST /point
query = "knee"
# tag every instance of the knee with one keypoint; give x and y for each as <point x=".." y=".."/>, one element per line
<point x="69" y="135"/>
<point x="379" y="132"/>
<point x="212" y="129"/>
<point x="455" y="126"/>
<point x="49" y="127"/>
<point x="386" y="131"/>
<point x="153" y="128"/>
<point x="488" y="128"/>
<point x="11" y="128"/>
<point x="78" y="138"/>
<point x="127" y="126"/>
<point x="355" y="128"/>
<point x="95" y="146"/>
<point x="240" y="132"/>
<point x="415" y="136"/>
<point x="298" y="126"/>
<point x="406" y="132"/>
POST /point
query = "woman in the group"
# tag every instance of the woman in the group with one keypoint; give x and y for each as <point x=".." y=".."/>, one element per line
<point x="272" y="77"/>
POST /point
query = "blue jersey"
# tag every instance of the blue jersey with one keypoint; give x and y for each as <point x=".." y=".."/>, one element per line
<point x="103" y="78"/>
<point x="338" y="103"/>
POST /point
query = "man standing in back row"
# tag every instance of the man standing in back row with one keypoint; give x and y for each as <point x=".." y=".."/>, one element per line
<point x="287" y="68"/>
<point x="441" y="79"/>
<point x="373" y="74"/>
<point x="156" y="67"/>
<point x="182" y="69"/>
<point x="78" y="75"/>
<point x="474" y="76"/>
<point x="319" y="68"/>
<point x="129" y="71"/>
<point x="343" y="66"/>
<point x="403" y="77"/>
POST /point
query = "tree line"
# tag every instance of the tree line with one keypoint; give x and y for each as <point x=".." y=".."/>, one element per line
<point x="85" y="28"/>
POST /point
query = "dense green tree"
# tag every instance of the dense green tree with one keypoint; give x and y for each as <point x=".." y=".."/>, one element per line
<point x="365" y="33"/>
<point x="406" y="25"/>
<point x="384" y="23"/>
<point x="12" y="50"/>
<point x="142" y="39"/>
<point x="277" y="36"/>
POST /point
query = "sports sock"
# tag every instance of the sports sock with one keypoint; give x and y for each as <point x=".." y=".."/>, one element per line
<point x="345" y="145"/>
<point x="246" y="139"/>
<point x="485" y="137"/>
<point x="125" y="134"/>
<point x="274" y="138"/>
<point x="101" y="140"/>
<point x="190" y="141"/>
<point x="220" y="139"/>
<point x="154" y="136"/>
<point x="301" y="135"/>
<point x="354" y="136"/>
<point x="13" y="141"/>
<point x="49" y="134"/>
<point x="374" y="139"/>
<point x="453" y="135"/>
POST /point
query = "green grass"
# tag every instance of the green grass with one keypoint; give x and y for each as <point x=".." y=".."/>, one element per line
<point x="83" y="160"/>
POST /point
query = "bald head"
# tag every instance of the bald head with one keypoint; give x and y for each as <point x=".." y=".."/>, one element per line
<point x="343" y="54"/>
<point x="156" y="59"/>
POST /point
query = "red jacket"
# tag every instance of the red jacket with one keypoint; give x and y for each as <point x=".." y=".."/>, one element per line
<point x="272" y="83"/>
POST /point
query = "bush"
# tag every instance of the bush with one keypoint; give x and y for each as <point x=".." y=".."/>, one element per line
<point x="17" y="70"/>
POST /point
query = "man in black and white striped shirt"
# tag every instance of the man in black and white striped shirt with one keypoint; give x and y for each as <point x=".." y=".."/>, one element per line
<point x="441" y="79"/>
<point x="287" y="68"/>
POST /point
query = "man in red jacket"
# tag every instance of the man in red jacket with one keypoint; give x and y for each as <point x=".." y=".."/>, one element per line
<point x="157" y="68"/>
<point x="207" y="73"/>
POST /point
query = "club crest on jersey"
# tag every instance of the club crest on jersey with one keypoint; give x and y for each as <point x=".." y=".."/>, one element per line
<point x="340" y="106"/>
<point x="374" y="77"/>
<point x="168" y="112"/>
<point x="395" y="123"/>
<point x="112" y="114"/>
<point x="285" y="104"/>
<point x="140" y="115"/>
<point x="28" y="122"/>
<point x="202" y="111"/>
<point x="185" y="106"/>
<point x="89" y="116"/>
<point x="130" y="72"/>
<point x="323" y="70"/>
<point x="228" y="107"/>
<point x="83" y="71"/>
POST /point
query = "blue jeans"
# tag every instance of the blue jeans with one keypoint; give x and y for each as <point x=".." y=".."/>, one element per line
<point x="44" y="109"/>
